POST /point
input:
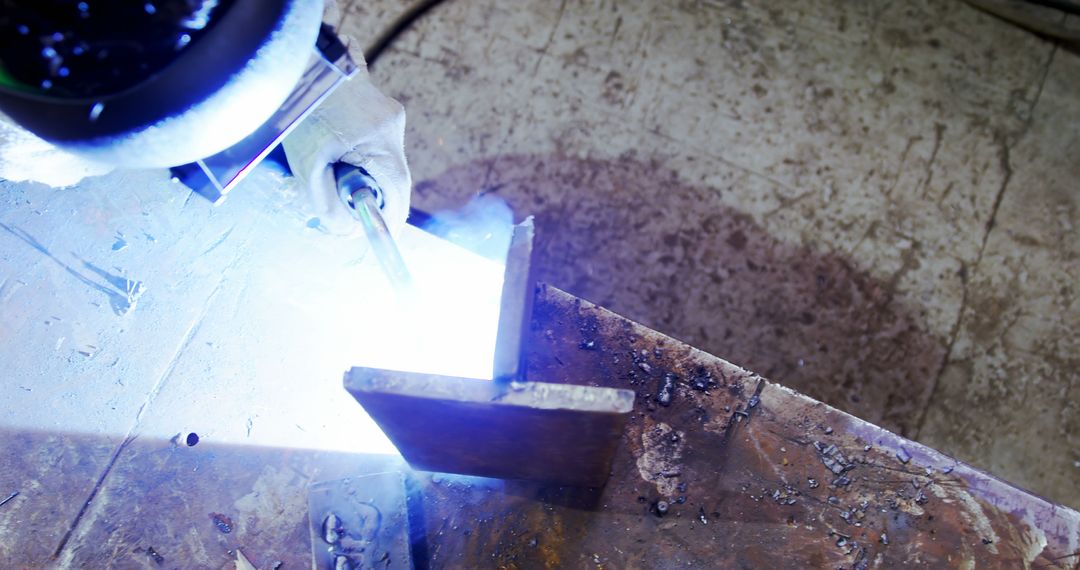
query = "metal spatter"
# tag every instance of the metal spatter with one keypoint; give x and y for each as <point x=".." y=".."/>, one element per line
<point x="833" y="459"/>
<point x="666" y="390"/>
<point x="361" y="522"/>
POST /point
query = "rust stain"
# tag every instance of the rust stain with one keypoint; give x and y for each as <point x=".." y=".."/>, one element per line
<point x="659" y="462"/>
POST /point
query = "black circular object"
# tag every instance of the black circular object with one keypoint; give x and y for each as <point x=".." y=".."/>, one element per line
<point x="90" y="48"/>
<point x="74" y="71"/>
<point x="192" y="439"/>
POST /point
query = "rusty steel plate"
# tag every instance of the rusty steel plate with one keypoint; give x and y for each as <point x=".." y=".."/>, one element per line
<point x="555" y="433"/>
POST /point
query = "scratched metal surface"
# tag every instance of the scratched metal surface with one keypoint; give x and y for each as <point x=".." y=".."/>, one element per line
<point x="759" y="493"/>
<point x="749" y="471"/>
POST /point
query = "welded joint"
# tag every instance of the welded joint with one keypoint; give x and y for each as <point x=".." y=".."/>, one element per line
<point x="508" y="428"/>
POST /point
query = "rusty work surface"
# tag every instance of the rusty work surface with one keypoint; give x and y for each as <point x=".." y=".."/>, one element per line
<point x="753" y="475"/>
<point x="737" y="487"/>
<point x="554" y="433"/>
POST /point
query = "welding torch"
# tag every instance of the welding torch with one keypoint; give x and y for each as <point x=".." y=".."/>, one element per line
<point x="364" y="199"/>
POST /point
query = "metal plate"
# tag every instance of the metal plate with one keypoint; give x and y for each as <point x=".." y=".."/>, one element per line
<point x="515" y="311"/>
<point x="554" y="433"/>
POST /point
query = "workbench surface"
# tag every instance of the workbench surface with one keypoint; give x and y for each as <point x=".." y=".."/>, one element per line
<point x="751" y="475"/>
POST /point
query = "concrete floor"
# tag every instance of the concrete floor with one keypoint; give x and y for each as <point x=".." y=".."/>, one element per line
<point x="874" y="202"/>
<point x="870" y="202"/>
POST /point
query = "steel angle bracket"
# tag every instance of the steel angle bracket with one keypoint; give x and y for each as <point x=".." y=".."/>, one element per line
<point x="552" y="433"/>
<point x="508" y="428"/>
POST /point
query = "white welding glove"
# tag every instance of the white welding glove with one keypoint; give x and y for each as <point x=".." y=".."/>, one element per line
<point x="357" y="125"/>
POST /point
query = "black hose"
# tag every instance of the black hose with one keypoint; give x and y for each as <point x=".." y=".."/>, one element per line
<point x="402" y="23"/>
<point x="1067" y="6"/>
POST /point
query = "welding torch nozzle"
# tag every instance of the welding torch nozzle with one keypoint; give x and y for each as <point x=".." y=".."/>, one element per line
<point x="352" y="180"/>
<point x="364" y="199"/>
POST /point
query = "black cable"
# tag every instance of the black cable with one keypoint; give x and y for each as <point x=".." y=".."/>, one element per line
<point x="1031" y="22"/>
<point x="1067" y="6"/>
<point x="416" y="217"/>
<point x="402" y="23"/>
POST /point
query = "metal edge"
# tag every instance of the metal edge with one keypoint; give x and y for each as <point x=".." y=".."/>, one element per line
<point x="386" y="540"/>
<point x="515" y="311"/>
<point x="535" y="395"/>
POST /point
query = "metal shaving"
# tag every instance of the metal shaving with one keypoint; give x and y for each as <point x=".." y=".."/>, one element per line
<point x="832" y="458"/>
<point x="903" y="456"/>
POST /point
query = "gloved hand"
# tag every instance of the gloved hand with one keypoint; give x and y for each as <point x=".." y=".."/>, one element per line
<point x="358" y="125"/>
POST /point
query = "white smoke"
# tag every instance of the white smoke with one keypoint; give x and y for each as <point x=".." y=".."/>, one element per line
<point x="483" y="226"/>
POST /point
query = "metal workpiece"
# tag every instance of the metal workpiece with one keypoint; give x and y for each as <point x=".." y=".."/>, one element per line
<point x="361" y="522"/>
<point x="515" y="311"/>
<point x="715" y="468"/>
<point x="721" y="468"/>
<point x="553" y="433"/>
<point x="507" y="428"/>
